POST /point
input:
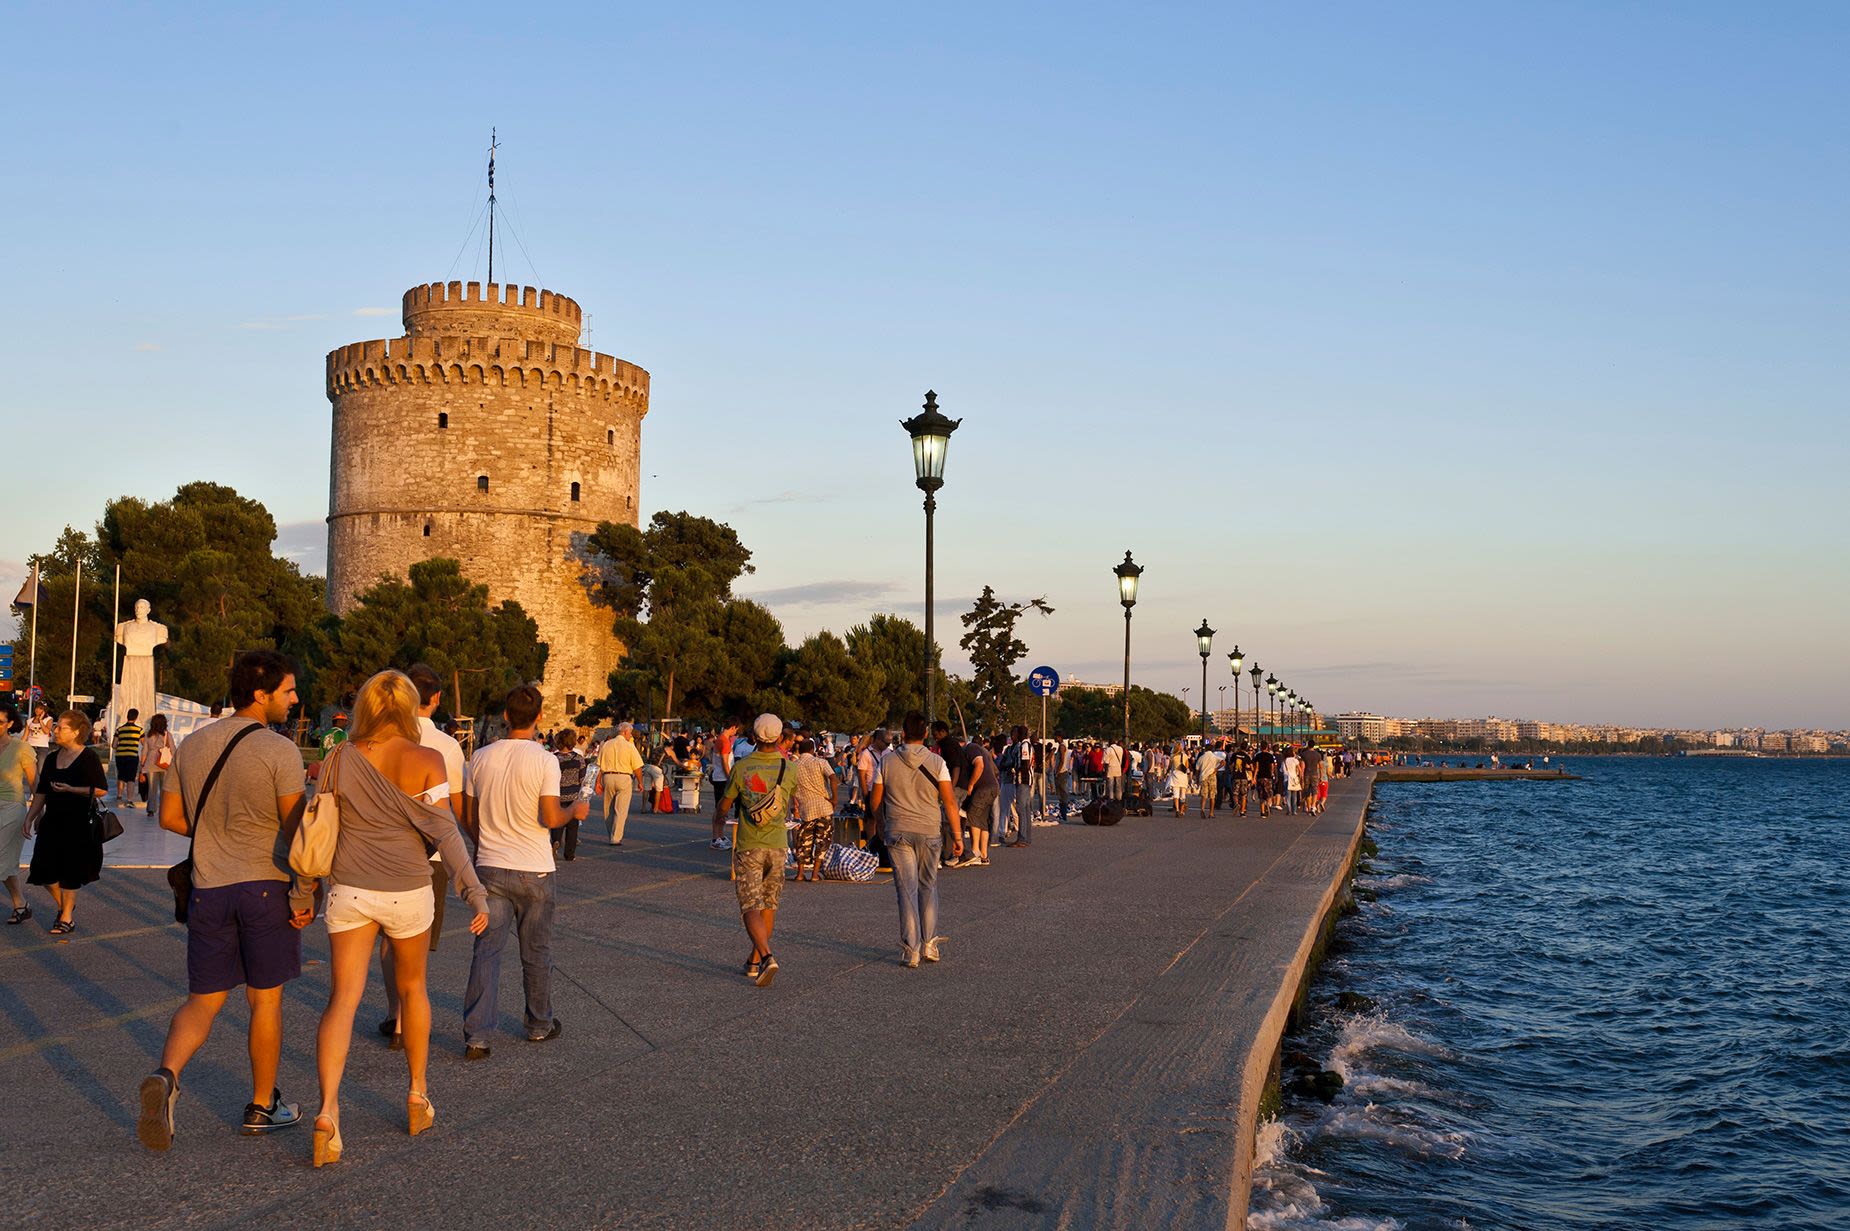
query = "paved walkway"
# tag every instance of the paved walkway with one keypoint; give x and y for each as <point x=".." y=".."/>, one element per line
<point x="1077" y="1060"/>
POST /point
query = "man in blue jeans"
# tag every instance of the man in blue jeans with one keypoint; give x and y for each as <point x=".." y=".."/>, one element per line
<point x="914" y="785"/>
<point x="512" y="807"/>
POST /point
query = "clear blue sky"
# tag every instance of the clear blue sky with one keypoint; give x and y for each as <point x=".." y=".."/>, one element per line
<point x="1452" y="358"/>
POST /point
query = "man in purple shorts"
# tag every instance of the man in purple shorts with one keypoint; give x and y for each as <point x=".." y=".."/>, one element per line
<point x="239" y="929"/>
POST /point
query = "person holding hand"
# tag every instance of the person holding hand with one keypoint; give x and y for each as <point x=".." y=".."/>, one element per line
<point x="394" y="800"/>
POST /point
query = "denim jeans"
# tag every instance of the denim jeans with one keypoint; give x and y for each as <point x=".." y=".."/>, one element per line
<point x="520" y="902"/>
<point x="915" y="879"/>
<point x="1006" y="807"/>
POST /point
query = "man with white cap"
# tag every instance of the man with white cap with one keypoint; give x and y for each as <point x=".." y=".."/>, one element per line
<point x="619" y="770"/>
<point x="761" y="787"/>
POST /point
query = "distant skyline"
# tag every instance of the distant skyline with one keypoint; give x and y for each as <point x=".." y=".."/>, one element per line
<point x="1514" y="333"/>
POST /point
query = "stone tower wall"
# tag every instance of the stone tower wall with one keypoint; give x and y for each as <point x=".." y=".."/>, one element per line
<point x="420" y="420"/>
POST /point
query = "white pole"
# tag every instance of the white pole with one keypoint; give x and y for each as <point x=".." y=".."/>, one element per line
<point x="77" y="591"/>
<point x="32" y="661"/>
<point x="115" y="719"/>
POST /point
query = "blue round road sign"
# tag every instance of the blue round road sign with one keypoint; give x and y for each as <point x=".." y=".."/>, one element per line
<point x="1044" y="681"/>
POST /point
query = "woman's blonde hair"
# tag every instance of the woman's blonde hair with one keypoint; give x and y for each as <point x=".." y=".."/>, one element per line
<point x="387" y="704"/>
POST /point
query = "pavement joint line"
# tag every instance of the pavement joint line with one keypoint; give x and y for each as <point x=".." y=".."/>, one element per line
<point x="47" y="1042"/>
<point x="1078" y="1053"/>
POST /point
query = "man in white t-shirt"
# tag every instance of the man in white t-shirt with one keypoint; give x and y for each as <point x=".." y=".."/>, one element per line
<point x="512" y="797"/>
<point x="430" y="695"/>
<point x="1207" y="776"/>
<point x="1114" y="771"/>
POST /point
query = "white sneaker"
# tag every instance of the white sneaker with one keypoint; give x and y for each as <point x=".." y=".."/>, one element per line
<point x="930" y="952"/>
<point x="909" y="959"/>
<point x="719" y="844"/>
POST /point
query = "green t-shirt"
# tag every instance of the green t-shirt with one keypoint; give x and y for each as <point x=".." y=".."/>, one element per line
<point x="763" y="783"/>
<point x="333" y="738"/>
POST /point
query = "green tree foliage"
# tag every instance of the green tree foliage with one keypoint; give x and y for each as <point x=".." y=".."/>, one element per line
<point x="689" y="643"/>
<point x="203" y="560"/>
<point x="895" y="646"/>
<point x="1087" y="712"/>
<point x="438" y="617"/>
<point x="994" y="650"/>
<point x="831" y="687"/>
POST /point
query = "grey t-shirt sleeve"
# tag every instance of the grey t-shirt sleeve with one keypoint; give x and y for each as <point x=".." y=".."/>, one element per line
<point x="282" y="760"/>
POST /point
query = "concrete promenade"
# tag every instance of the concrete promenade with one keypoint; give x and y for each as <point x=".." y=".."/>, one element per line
<point x="1091" y="1052"/>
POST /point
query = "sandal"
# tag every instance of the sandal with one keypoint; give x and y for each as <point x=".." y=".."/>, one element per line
<point x="420" y="1112"/>
<point x="327" y="1143"/>
<point x="64" y="927"/>
<point x="20" y="914"/>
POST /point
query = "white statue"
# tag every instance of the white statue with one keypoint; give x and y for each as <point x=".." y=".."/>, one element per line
<point x="137" y="637"/>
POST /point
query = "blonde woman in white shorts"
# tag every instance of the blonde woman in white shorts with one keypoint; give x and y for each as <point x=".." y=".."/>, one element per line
<point x="394" y="800"/>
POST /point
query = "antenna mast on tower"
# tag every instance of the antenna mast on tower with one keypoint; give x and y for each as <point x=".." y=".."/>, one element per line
<point x="491" y="204"/>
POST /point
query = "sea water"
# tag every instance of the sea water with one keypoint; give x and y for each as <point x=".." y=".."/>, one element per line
<point x="1615" y="1003"/>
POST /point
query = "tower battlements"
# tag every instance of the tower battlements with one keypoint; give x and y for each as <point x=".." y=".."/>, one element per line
<point x="471" y="309"/>
<point x="477" y="360"/>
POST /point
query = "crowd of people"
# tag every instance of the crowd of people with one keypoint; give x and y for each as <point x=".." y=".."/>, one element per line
<point x="415" y="817"/>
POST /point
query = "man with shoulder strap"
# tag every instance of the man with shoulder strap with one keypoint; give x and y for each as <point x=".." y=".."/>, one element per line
<point x="762" y="787"/>
<point x="915" y="788"/>
<point x="240" y="798"/>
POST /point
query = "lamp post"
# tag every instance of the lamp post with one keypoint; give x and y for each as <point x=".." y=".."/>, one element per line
<point x="1222" y="689"/>
<point x="931" y="437"/>
<point x="1127" y="574"/>
<point x="1204" y="642"/>
<point x="1271" y="692"/>
<point x="1257" y="669"/>
<point x="1235" y="659"/>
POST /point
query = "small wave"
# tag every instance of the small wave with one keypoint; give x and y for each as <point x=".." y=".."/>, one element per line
<point x="1372" y="1032"/>
<point x="1398" y="880"/>
<point x="1366" y="1123"/>
<point x="1283" y="1196"/>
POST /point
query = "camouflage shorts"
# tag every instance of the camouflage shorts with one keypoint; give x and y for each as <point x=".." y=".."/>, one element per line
<point x="758" y="875"/>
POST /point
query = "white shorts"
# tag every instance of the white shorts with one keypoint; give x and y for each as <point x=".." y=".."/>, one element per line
<point x="401" y="913"/>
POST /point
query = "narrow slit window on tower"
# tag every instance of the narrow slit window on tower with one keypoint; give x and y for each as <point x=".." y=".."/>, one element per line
<point x="426" y="529"/>
<point x="481" y="482"/>
<point x="610" y="435"/>
<point x="574" y="493"/>
<point x="443" y="418"/>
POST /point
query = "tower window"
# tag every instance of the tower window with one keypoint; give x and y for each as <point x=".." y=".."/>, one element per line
<point x="443" y="418"/>
<point x="610" y="436"/>
<point x="426" y="529"/>
<point x="481" y="482"/>
<point x="574" y="493"/>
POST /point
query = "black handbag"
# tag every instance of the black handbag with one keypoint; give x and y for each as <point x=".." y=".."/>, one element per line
<point x="180" y="876"/>
<point x="104" y="822"/>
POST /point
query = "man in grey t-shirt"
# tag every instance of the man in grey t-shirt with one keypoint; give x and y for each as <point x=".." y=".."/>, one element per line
<point x="914" y="785"/>
<point x="239" y="928"/>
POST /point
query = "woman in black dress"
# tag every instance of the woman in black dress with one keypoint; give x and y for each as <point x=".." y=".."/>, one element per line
<point x="68" y="853"/>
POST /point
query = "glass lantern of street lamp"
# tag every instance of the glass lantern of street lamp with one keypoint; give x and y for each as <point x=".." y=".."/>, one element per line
<point x="1271" y="686"/>
<point x="931" y="439"/>
<point x="1236" y="658"/>
<point x="1204" y="639"/>
<point x="1128" y="573"/>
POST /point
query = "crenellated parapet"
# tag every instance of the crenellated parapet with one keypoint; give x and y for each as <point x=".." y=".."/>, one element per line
<point x="475" y="360"/>
<point x="472" y="309"/>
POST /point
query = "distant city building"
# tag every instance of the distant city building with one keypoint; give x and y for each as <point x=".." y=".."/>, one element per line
<point x="1077" y="685"/>
<point x="1362" y="726"/>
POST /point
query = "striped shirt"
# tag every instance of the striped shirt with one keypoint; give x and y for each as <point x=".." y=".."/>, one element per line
<point x="128" y="740"/>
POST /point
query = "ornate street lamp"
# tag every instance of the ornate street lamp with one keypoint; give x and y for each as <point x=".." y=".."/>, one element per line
<point x="1127" y="574"/>
<point x="931" y="439"/>
<point x="1235" y="659"/>
<point x="1271" y="692"/>
<point x="1204" y="642"/>
<point x="1257" y="669"/>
